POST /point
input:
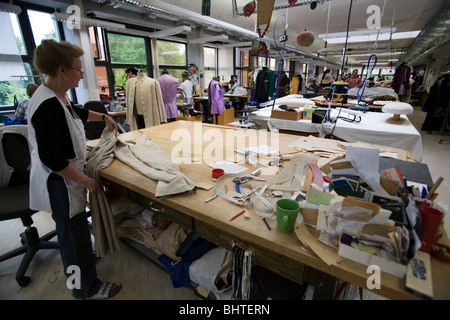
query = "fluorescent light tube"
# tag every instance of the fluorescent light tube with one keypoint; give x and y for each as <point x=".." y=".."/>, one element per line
<point x="87" y="21"/>
<point x="366" y="32"/>
<point x="374" y="37"/>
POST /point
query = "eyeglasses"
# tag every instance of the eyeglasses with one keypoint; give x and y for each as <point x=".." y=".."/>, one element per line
<point x="79" y="70"/>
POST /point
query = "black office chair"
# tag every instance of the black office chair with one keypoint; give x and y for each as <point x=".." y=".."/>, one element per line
<point x="14" y="198"/>
<point x="94" y="129"/>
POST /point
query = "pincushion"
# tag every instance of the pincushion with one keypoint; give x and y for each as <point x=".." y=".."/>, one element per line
<point x="397" y="108"/>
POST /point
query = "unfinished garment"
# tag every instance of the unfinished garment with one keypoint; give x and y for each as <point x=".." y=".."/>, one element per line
<point x="147" y="158"/>
<point x="215" y="97"/>
<point x="265" y="85"/>
<point x="143" y="234"/>
<point x="169" y="87"/>
<point x="103" y="223"/>
<point x="144" y="101"/>
<point x="400" y="83"/>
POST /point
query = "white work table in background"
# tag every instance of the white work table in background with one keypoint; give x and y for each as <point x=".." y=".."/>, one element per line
<point x="373" y="129"/>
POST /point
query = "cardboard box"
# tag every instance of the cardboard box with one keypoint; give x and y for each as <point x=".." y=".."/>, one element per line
<point x="225" y="118"/>
<point x="286" y="115"/>
<point x="193" y="118"/>
<point x="388" y="266"/>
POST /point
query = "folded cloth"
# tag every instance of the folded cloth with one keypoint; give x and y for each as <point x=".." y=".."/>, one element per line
<point x="147" y="158"/>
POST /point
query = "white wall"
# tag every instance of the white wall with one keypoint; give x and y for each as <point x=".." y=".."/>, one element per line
<point x="225" y="63"/>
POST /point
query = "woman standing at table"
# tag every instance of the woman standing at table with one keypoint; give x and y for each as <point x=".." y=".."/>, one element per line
<point x="58" y="154"/>
<point x="354" y="81"/>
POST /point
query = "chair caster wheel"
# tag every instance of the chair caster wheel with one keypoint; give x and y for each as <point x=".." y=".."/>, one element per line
<point x="23" y="282"/>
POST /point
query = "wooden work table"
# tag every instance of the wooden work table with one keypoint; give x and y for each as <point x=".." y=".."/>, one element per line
<point x="278" y="251"/>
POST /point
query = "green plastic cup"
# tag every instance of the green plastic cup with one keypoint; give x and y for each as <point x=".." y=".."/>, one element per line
<point x="287" y="212"/>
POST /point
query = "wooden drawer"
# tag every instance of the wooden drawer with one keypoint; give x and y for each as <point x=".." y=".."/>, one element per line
<point x="116" y="188"/>
<point x="284" y="266"/>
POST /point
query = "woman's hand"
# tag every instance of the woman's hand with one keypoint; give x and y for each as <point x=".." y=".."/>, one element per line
<point x="112" y="125"/>
<point x="93" y="185"/>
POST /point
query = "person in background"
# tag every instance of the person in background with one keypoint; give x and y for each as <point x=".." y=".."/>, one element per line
<point x="21" y="111"/>
<point x="131" y="72"/>
<point x="186" y="86"/>
<point x="58" y="155"/>
<point x="231" y="86"/>
<point x="354" y="80"/>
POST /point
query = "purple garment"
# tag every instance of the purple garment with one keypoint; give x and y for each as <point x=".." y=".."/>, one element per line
<point x="169" y="87"/>
<point x="215" y="97"/>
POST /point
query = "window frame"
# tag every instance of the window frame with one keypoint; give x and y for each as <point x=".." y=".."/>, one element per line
<point x="109" y="65"/>
<point x="215" y="68"/>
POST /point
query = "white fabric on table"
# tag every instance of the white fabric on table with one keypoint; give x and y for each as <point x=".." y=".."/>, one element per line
<point x="373" y="129"/>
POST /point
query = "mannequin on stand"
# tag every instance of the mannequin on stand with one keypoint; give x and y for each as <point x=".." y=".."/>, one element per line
<point x="215" y="97"/>
<point x="169" y="87"/>
<point x="145" y="105"/>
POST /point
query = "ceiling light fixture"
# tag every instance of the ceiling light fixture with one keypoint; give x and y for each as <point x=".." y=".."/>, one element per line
<point x="169" y="32"/>
<point x="221" y="37"/>
<point x="368" y="35"/>
<point x="10" y="8"/>
<point x="87" y="21"/>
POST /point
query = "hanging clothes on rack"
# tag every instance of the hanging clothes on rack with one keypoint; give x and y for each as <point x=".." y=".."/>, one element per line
<point x="437" y="104"/>
<point x="297" y="85"/>
<point x="169" y="87"/>
<point x="400" y="83"/>
<point x="265" y="85"/>
<point x="283" y="85"/>
<point x="145" y="105"/>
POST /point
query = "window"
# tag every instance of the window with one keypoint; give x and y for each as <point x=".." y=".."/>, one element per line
<point x="43" y="26"/>
<point x="15" y="70"/>
<point x="127" y="49"/>
<point x="17" y="32"/>
<point x="172" y="57"/>
<point x="242" y="67"/>
<point x="113" y="54"/>
<point x="171" y="53"/>
<point x="210" y="63"/>
<point x="97" y="44"/>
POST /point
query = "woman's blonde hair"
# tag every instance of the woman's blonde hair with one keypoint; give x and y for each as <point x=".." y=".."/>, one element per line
<point x="50" y="54"/>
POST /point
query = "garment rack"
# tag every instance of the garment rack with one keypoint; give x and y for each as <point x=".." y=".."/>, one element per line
<point x="445" y="126"/>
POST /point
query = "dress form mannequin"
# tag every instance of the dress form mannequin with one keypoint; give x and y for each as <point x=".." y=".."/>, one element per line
<point x="145" y="105"/>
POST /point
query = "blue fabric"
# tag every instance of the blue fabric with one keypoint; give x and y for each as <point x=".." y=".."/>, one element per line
<point x="13" y="121"/>
<point x="179" y="273"/>
<point x="191" y="249"/>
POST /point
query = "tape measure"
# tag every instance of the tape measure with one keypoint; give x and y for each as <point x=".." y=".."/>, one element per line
<point x="248" y="199"/>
